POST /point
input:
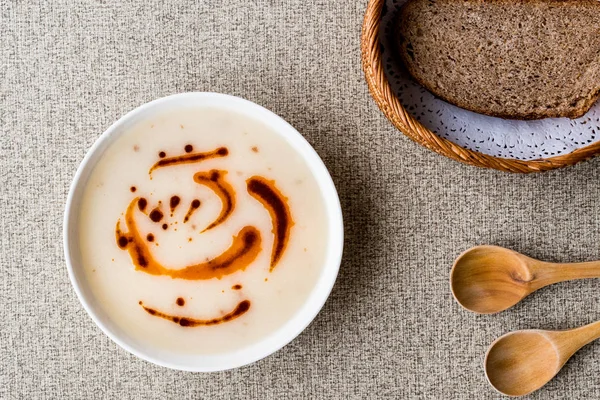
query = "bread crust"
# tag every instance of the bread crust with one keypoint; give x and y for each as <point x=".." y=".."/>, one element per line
<point x="403" y="53"/>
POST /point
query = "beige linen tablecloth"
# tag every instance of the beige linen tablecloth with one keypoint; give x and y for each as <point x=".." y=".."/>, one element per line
<point x="390" y="329"/>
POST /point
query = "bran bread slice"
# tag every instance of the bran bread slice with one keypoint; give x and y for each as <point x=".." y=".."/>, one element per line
<point x="520" y="59"/>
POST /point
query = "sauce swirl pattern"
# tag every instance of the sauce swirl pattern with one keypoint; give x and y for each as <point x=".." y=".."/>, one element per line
<point x="245" y="246"/>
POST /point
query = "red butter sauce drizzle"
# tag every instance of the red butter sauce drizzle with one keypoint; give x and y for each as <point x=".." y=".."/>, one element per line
<point x="156" y="215"/>
<point x="189" y="158"/>
<point x="215" y="180"/>
<point x="142" y="203"/>
<point x="193" y="207"/>
<point x="238" y="311"/>
<point x="271" y="198"/>
<point x="244" y="249"/>
<point x="174" y="202"/>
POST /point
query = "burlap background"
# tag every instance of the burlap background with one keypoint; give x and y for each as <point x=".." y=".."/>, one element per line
<point x="68" y="69"/>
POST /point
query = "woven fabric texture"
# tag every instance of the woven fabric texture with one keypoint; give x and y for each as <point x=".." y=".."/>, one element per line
<point x="69" y="68"/>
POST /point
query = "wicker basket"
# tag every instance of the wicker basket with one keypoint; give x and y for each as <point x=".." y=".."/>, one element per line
<point x="392" y="108"/>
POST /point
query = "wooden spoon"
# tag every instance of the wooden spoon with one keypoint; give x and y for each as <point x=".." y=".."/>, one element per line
<point x="490" y="279"/>
<point x="521" y="362"/>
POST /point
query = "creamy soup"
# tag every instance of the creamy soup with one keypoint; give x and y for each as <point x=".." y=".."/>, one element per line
<point x="201" y="231"/>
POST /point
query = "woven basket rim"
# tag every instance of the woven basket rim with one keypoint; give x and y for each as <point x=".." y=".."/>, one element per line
<point x="381" y="91"/>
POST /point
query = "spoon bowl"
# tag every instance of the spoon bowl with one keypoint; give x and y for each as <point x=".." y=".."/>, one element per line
<point x="521" y="362"/>
<point x="490" y="279"/>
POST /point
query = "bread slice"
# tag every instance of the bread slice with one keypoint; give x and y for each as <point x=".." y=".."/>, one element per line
<point x="521" y="59"/>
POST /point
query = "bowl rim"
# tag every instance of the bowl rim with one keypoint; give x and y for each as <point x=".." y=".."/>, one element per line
<point x="390" y="105"/>
<point x="302" y="317"/>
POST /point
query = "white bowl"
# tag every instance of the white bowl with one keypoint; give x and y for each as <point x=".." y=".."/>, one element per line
<point x="269" y="344"/>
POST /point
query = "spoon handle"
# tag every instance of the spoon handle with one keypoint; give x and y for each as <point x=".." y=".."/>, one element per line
<point x="575" y="339"/>
<point x="549" y="273"/>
